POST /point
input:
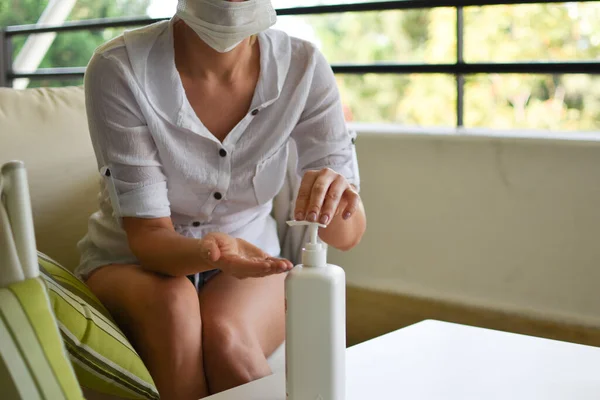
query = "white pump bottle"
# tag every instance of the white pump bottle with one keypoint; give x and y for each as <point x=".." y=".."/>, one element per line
<point x="315" y="295"/>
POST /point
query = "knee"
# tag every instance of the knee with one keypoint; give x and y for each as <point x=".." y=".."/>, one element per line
<point x="172" y="301"/>
<point x="230" y="345"/>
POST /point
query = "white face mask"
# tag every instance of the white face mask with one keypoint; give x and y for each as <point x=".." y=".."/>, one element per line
<point x="223" y="24"/>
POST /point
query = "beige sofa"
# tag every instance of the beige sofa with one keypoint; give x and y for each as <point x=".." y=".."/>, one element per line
<point x="47" y="129"/>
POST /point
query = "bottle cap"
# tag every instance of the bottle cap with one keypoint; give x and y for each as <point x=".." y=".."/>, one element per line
<point x="314" y="253"/>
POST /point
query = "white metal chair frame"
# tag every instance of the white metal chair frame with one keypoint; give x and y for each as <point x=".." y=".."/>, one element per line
<point x="18" y="251"/>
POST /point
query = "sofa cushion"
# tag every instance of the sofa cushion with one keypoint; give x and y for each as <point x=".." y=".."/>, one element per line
<point x="102" y="357"/>
<point x="33" y="361"/>
<point x="47" y="129"/>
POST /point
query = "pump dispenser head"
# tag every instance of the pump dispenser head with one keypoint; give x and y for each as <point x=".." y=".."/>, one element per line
<point x="314" y="253"/>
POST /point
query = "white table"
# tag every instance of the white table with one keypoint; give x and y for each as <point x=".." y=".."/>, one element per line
<point x="438" y="360"/>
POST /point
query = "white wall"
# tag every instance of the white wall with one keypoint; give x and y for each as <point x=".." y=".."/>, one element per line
<point x="507" y="223"/>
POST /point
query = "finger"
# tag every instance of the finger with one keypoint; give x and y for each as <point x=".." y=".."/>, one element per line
<point x="272" y="272"/>
<point x="332" y="199"/>
<point x="304" y="194"/>
<point x="247" y="267"/>
<point x="341" y="207"/>
<point x="246" y="263"/>
<point x="282" y="264"/>
<point x="318" y="192"/>
<point x="353" y="200"/>
<point x="278" y="266"/>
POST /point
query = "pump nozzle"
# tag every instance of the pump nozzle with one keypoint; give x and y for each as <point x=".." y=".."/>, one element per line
<point x="313" y="228"/>
<point x="314" y="253"/>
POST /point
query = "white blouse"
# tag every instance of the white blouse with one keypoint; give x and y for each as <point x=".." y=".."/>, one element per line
<point x="158" y="159"/>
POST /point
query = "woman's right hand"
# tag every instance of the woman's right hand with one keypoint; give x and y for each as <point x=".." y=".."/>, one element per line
<point x="240" y="258"/>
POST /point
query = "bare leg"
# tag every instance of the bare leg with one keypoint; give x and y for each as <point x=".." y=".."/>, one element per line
<point x="161" y="317"/>
<point x="243" y="323"/>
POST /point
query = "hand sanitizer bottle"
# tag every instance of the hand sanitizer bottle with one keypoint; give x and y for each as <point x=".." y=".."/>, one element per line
<point x="315" y="296"/>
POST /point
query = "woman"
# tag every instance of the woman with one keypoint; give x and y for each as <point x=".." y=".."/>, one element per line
<point x="190" y="120"/>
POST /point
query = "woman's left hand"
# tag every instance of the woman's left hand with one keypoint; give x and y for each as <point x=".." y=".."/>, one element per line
<point x="324" y="195"/>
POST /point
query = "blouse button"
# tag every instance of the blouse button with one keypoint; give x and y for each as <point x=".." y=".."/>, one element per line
<point x="218" y="195"/>
<point x="222" y="152"/>
<point x="196" y="223"/>
<point x="255" y="111"/>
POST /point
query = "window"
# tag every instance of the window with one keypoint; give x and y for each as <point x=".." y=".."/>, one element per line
<point x="69" y="49"/>
<point x="517" y="33"/>
<point x="525" y="33"/>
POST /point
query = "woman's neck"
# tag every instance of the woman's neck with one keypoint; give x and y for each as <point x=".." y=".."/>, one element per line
<point x="197" y="60"/>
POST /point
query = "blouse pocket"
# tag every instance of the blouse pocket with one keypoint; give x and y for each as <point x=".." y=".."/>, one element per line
<point x="270" y="175"/>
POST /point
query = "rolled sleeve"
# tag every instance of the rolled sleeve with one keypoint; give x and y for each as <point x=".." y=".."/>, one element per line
<point x="321" y="135"/>
<point x="145" y="202"/>
<point x="127" y="156"/>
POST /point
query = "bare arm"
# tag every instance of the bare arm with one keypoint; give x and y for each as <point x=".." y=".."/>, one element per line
<point x="160" y="249"/>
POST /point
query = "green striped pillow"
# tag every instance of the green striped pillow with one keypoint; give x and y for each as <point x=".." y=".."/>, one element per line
<point x="33" y="361"/>
<point x="103" y="359"/>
